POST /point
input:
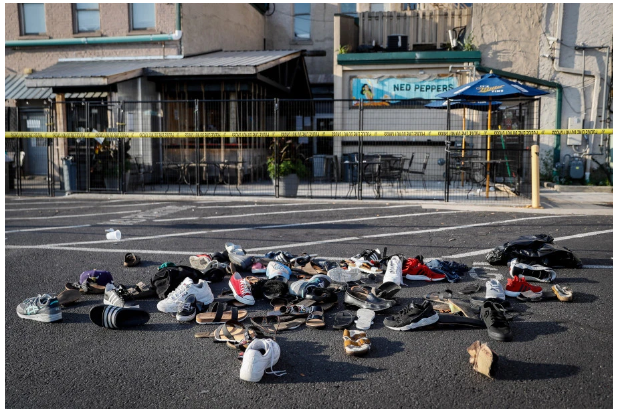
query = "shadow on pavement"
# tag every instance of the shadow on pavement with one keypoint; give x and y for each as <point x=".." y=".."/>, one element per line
<point x="511" y="370"/>
<point x="528" y="331"/>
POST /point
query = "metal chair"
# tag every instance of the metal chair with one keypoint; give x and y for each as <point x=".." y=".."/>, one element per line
<point x="421" y="172"/>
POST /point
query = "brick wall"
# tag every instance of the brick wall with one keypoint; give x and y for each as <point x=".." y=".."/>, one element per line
<point x="114" y="20"/>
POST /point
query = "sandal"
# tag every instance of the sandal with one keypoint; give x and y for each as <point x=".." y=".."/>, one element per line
<point x="141" y="291"/>
<point x="470" y="289"/>
<point x="316" y="319"/>
<point x="364" y="319"/>
<point x="343" y="319"/>
<point x="231" y="331"/>
<point x="386" y="290"/>
<point x="266" y="324"/>
<point x="217" y="313"/>
<point x="131" y="260"/>
<point x="289" y="323"/>
<point x="356" y="342"/>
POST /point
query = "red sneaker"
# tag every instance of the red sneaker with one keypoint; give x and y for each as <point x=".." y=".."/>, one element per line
<point x="517" y="285"/>
<point x="413" y="269"/>
<point x="241" y="289"/>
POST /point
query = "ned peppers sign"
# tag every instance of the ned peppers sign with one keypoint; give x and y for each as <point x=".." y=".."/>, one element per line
<point x="400" y="88"/>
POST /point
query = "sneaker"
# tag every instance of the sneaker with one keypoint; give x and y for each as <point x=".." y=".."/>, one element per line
<point x="394" y="271"/>
<point x="241" y="289"/>
<point x="260" y="355"/>
<point x="276" y="269"/>
<point x="413" y="317"/>
<point x="493" y="316"/>
<point x="564" y="293"/>
<point x="494" y="290"/>
<point x="258" y="268"/>
<point x="200" y="261"/>
<point x="42" y="308"/>
<point x="340" y="275"/>
<point x="280" y="256"/>
<point x="187" y="311"/>
<point x="238" y="256"/>
<point x="369" y="256"/>
<point x="117" y="296"/>
<point x="519" y="284"/>
<point x="176" y="298"/>
<point x="416" y="270"/>
<point x="536" y="273"/>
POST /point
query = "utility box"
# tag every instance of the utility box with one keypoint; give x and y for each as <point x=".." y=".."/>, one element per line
<point x="577" y="168"/>
<point x="574" y="123"/>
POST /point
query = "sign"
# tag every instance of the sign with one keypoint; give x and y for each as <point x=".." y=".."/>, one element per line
<point x="399" y="88"/>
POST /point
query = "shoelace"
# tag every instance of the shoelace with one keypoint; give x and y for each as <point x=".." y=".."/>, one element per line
<point x="178" y="294"/>
<point x="276" y="373"/>
<point x="245" y="287"/>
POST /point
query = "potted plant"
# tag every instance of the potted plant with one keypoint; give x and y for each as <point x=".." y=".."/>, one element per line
<point x="289" y="168"/>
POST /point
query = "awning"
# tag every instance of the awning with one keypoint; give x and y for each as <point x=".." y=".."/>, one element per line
<point x="80" y="74"/>
<point x="15" y="88"/>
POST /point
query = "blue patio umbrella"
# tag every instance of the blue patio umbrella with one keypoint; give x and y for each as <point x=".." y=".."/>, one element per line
<point x="484" y="89"/>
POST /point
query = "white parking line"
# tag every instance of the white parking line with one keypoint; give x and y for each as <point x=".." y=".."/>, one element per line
<point x="47" y="228"/>
<point x="195" y="233"/>
<point x="78" y="207"/>
<point x="262" y="205"/>
<point x="26" y="203"/>
<point x="403" y="233"/>
<point x="271" y="213"/>
<point x="72" y="216"/>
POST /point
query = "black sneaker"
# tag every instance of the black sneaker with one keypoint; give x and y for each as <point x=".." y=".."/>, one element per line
<point x="187" y="311"/>
<point x="413" y="317"/>
<point x="493" y="316"/>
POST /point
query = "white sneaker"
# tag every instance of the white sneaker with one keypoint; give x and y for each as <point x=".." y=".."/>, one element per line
<point x="260" y="355"/>
<point x="394" y="271"/>
<point x="537" y="273"/>
<point x="494" y="289"/>
<point x="337" y="274"/>
<point x="275" y="269"/>
<point x="238" y="256"/>
<point x="176" y="298"/>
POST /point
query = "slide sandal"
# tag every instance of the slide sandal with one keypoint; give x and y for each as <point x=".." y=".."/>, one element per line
<point x="442" y="297"/>
<point x="386" y="290"/>
<point x="316" y="319"/>
<point x="343" y="320"/>
<point x="364" y="319"/>
<point x="131" y="260"/>
<point x="217" y="313"/>
<point x="113" y="317"/>
<point x="265" y="324"/>
<point x="230" y="331"/>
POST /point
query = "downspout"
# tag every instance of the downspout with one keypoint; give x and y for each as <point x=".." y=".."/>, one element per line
<point x="541" y="82"/>
<point x="177" y="35"/>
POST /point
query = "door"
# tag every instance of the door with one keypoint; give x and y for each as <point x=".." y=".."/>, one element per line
<point x="35" y="162"/>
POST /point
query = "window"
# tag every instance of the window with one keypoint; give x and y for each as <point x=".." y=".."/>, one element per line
<point x="86" y="17"/>
<point x="377" y="7"/>
<point x="302" y="21"/>
<point x="349" y="9"/>
<point x="142" y="16"/>
<point x="32" y="18"/>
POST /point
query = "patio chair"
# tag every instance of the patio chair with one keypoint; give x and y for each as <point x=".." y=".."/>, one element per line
<point x="421" y="172"/>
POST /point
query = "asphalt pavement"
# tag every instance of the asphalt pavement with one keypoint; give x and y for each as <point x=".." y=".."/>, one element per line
<point x="561" y="355"/>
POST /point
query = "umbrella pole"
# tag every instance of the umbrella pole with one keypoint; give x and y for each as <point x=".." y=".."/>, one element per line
<point x="463" y="141"/>
<point x="488" y="150"/>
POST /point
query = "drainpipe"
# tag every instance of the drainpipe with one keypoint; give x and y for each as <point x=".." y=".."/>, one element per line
<point x="541" y="82"/>
<point x="177" y="35"/>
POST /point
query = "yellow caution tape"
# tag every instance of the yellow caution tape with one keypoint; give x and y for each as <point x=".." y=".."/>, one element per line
<point x="278" y="134"/>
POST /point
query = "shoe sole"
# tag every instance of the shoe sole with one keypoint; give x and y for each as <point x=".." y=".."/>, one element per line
<point x="423" y="322"/>
<point x="512" y="294"/>
<point x="561" y="296"/>
<point x="499" y="337"/>
<point x="42" y="317"/>
<point x="421" y="277"/>
<point x="239" y="298"/>
<point x="107" y="302"/>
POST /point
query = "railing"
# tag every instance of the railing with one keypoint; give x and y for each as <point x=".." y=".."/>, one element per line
<point x="423" y="27"/>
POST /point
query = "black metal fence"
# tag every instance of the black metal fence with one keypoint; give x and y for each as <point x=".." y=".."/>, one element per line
<point x="408" y="167"/>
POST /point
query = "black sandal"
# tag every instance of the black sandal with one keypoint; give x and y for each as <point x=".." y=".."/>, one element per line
<point x="343" y="319"/>
<point x="131" y="260"/>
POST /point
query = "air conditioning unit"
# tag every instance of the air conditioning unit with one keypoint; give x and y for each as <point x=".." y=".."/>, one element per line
<point x="397" y="43"/>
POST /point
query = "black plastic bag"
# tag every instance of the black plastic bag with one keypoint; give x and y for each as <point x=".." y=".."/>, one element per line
<point x="532" y="250"/>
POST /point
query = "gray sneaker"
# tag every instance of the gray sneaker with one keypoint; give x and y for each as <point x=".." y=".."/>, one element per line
<point x="494" y="289"/>
<point x="42" y="308"/>
<point x="113" y="297"/>
<point x="238" y="256"/>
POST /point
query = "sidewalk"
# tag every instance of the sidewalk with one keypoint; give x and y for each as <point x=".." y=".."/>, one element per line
<point x="553" y="202"/>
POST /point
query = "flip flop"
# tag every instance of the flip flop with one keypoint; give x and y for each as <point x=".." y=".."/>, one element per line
<point x="131" y="260"/>
<point x="68" y="297"/>
<point x="265" y="323"/>
<point x="343" y="319"/>
<point x="217" y="313"/>
<point x="364" y="319"/>
<point x="286" y="324"/>
<point x="231" y="331"/>
<point x="316" y="319"/>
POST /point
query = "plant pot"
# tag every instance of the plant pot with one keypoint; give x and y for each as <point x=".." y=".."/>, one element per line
<point x="288" y="186"/>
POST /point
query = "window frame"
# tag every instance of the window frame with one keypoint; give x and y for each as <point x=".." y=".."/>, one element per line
<point x="146" y="29"/>
<point x="76" y="29"/>
<point x="294" y="16"/>
<point x="351" y="14"/>
<point x="22" y="21"/>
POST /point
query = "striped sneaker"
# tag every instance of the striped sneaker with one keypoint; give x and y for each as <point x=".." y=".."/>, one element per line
<point x="114" y="296"/>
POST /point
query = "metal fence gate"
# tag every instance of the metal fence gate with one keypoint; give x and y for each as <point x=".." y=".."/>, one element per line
<point x="452" y="169"/>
